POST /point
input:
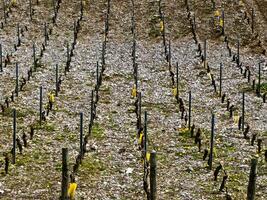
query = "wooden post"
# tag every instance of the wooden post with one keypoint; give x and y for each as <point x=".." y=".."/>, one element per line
<point x="97" y="74"/>
<point x="17" y="80"/>
<point x="57" y="80"/>
<point x="1" y="58"/>
<point x="252" y="180"/>
<point x="252" y="20"/>
<point x="169" y="55"/>
<point x="136" y="77"/>
<point x="223" y="27"/>
<point x="238" y="56"/>
<point x="91" y="113"/>
<point x="205" y="52"/>
<point x="41" y="105"/>
<point x="211" y="142"/>
<point x="153" y="176"/>
<point x="145" y="133"/>
<point x="31" y="10"/>
<point x="34" y="57"/>
<point x="14" y="136"/>
<point x="18" y="34"/>
<point x="189" y="117"/>
<point x="259" y="81"/>
<point x="4" y="8"/>
<point x="177" y="81"/>
<point x="220" y="89"/>
<point x="65" y="175"/>
<point x="243" y="111"/>
<point x="139" y="110"/>
<point x="81" y="133"/>
<point x="45" y="33"/>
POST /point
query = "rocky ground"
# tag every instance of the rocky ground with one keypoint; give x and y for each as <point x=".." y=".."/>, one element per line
<point x="112" y="168"/>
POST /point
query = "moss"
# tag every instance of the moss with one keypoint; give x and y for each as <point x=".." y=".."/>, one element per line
<point x="91" y="165"/>
<point x="97" y="132"/>
<point x="263" y="87"/>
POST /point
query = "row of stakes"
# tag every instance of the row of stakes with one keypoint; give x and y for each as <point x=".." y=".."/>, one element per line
<point x="149" y="159"/>
<point x="83" y="142"/>
<point x="198" y="134"/>
<point x="36" y="64"/>
<point x="16" y="140"/>
<point x="68" y="180"/>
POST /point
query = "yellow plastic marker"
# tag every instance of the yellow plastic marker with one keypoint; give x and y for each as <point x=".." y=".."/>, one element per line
<point x="161" y="26"/>
<point x="210" y="76"/>
<point x="217" y="13"/>
<point x="174" y="91"/>
<point x="147" y="157"/>
<point x="71" y="190"/>
<point x="236" y="118"/>
<point x="221" y="22"/>
<point x="134" y="91"/>
<point x="140" y="138"/>
<point x="13" y="3"/>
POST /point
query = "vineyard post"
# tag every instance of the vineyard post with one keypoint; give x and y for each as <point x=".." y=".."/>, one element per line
<point x="81" y="133"/>
<point x="243" y="111"/>
<point x="139" y="110"/>
<point x="1" y="59"/>
<point x="136" y="76"/>
<point x="65" y="176"/>
<point x="177" y="81"/>
<point x="14" y="136"/>
<point x="145" y="141"/>
<point x="189" y="117"/>
<point x="45" y="34"/>
<point x="17" y="80"/>
<point x="91" y="113"/>
<point x="153" y="175"/>
<point x="57" y="80"/>
<point x="205" y="52"/>
<point x="34" y="57"/>
<point x="169" y="57"/>
<point x="97" y="75"/>
<point x="252" y="180"/>
<point x="252" y="20"/>
<point x="68" y="53"/>
<point x="258" y="89"/>
<point x="31" y="10"/>
<point x="220" y="91"/>
<point x="18" y="34"/>
<point x="103" y="54"/>
<point x="211" y="142"/>
<point x="4" y="8"/>
<point x="41" y="105"/>
<point x="238" y="56"/>
<point x="223" y="26"/>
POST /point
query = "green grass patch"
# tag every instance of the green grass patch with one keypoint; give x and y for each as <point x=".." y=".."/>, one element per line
<point x="91" y="165"/>
<point x="97" y="131"/>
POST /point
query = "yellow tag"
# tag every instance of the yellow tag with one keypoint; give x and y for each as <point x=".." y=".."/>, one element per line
<point x="147" y="157"/>
<point x="174" y="92"/>
<point x="210" y="76"/>
<point x="13" y="3"/>
<point x="221" y="22"/>
<point x="217" y="13"/>
<point x="140" y="138"/>
<point x="134" y="91"/>
<point x="71" y="190"/>
<point x="161" y="26"/>
<point x="236" y="118"/>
